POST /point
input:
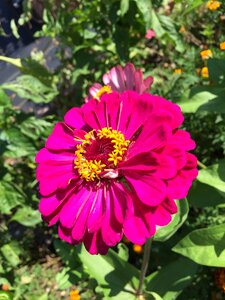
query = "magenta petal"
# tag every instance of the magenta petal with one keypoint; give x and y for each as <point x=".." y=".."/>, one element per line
<point x="65" y="234"/>
<point x="167" y="167"/>
<point x="182" y="139"/>
<point x="61" y="138"/>
<point x="149" y="189"/>
<point x="94" y="243"/>
<point x="111" y="228"/>
<point x="135" y="230"/>
<point x="97" y="212"/>
<point x="74" y="118"/>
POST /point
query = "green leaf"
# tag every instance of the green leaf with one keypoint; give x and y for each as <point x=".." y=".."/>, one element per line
<point x="124" y="7"/>
<point x="153" y="296"/>
<point x="19" y="145"/>
<point x="123" y="251"/>
<point x="5" y="295"/>
<point x="202" y="195"/>
<point x="169" y="281"/>
<point x="62" y="279"/>
<point x="145" y="7"/>
<point x="118" y="278"/>
<point x="14" y="61"/>
<point x="14" y="29"/>
<point x="216" y="70"/>
<point x="4" y="101"/>
<point x="191" y="5"/>
<point x="165" y="232"/>
<point x="204" y="246"/>
<point x="10" y="197"/>
<point x="27" y="216"/>
<point x="10" y="253"/>
<point x="204" y="99"/>
<point x="67" y="252"/>
<point x="121" y="39"/>
<point x="214" y="176"/>
<point x="29" y="87"/>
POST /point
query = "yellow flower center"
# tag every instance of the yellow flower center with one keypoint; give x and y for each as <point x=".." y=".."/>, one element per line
<point x="100" y="151"/>
<point x="106" y="89"/>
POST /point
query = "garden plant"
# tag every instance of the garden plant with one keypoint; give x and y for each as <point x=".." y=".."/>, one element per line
<point x="112" y="176"/>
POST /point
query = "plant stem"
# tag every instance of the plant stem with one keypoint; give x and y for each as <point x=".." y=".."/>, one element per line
<point x="144" y="265"/>
<point x="201" y="165"/>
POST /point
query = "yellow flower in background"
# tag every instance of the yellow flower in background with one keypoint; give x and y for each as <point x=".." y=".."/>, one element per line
<point x="205" y="72"/>
<point x="74" y="295"/>
<point x="137" y="248"/>
<point x="178" y="71"/>
<point x="213" y="4"/>
<point x="222" y="46"/>
<point x="205" y="54"/>
<point x="182" y="29"/>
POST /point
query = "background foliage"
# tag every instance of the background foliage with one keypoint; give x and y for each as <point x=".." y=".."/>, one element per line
<point x="90" y="37"/>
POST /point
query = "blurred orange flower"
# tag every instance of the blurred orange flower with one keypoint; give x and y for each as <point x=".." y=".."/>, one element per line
<point x="5" y="287"/>
<point x="213" y="4"/>
<point x="205" y="72"/>
<point x="137" y="248"/>
<point x="178" y="71"/>
<point x="74" y="295"/>
<point x="205" y="54"/>
<point x="222" y="46"/>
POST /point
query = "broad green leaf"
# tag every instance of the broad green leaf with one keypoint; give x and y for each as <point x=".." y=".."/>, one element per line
<point x="202" y="195"/>
<point x="10" y="197"/>
<point x="118" y="278"/>
<point x="124" y="6"/>
<point x="10" y="253"/>
<point x="123" y="251"/>
<point x="165" y="232"/>
<point x="153" y="296"/>
<point x="145" y="7"/>
<point x="216" y="70"/>
<point x="4" y="101"/>
<point x="169" y="281"/>
<point x="191" y="5"/>
<point x="214" y="176"/>
<point x="29" y="87"/>
<point x="5" y="295"/>
<point x="121" y="39"/>
<point x="205" y="99"/>
<point x="27" y="216"/>
<point x="19" y="145"/>
<point x="204" y="246"/>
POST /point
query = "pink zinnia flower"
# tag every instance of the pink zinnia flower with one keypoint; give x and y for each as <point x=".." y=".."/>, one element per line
<point x="150" y="34"/>
<point x="120" y="79"/>
<point x="114" y="168"/>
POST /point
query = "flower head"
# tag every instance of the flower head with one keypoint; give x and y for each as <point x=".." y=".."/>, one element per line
<point x="74" y="295"/>
<point x="150" y="33"/>
<point x="120" y="79"/>
<point x="114" y="168"/>
<point x="205" y="72"/>
<point x="137" y="248"/>
<point x="178" y="71"/>
<point x="213" y="4"/>
<point x="205" y="54"/>
<point x="222" y="46"/>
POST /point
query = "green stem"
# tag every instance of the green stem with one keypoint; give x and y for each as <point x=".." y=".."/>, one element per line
<point x="144" y="265"/>
<point x="201" y="165"/>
